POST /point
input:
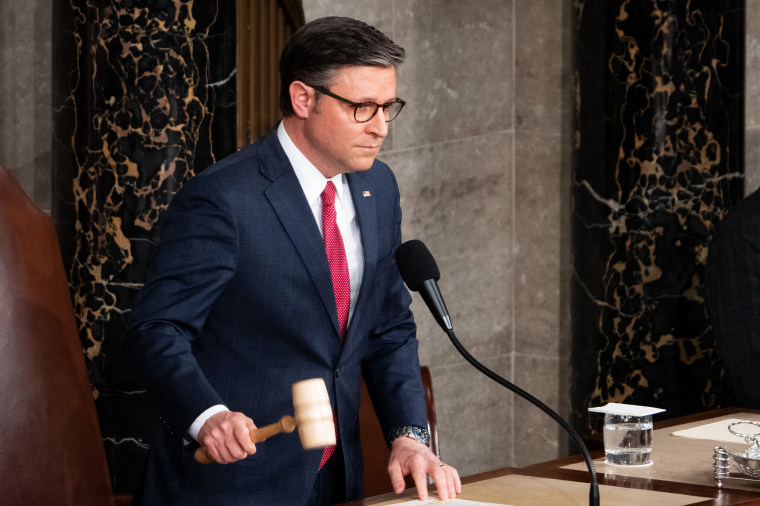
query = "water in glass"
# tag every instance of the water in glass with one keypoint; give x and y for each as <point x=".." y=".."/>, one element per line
<point x="627" y="439"/>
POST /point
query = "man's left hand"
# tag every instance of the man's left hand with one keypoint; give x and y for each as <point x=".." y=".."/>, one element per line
<point x="411" y="457"/>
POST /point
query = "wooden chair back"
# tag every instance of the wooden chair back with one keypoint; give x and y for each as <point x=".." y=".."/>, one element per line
<point x="51" y="449"/>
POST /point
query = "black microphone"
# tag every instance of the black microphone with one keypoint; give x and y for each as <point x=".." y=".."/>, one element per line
<point x="420" y="273"/>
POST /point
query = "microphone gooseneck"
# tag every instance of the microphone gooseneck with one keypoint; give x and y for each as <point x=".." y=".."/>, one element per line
<point x="594" y="491"/>
<point x="420" y="273"/>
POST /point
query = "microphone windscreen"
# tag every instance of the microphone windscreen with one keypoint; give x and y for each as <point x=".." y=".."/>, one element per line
<point x="416" y="264"/>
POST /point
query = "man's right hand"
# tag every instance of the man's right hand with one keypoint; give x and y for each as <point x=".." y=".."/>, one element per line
<point x="226" y="437"/>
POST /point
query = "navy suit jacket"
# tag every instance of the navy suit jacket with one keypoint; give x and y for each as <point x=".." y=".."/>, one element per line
<point x="732" y="293"/>
<point x="238" y="305"/>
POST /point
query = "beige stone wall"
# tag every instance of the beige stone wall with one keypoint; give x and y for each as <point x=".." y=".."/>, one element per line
<point x="25" y="95"/>
<point x="752" y="98"/>
<point x="482" y="154"/>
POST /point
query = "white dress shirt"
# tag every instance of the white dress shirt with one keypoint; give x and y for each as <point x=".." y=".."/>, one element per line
<point x="313" y="183"/>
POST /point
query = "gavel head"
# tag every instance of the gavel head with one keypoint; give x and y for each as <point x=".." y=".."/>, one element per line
<point x="313" y="414"/>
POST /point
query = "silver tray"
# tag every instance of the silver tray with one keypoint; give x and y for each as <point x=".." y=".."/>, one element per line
<point x="746" y="463"/>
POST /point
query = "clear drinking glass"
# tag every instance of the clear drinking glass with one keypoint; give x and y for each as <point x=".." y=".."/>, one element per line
<point x="627" y="439"/>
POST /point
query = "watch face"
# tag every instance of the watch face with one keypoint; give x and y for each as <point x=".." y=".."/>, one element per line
<point x="420" y="434"/>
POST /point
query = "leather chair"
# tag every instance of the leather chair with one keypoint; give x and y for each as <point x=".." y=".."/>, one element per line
<point x="51" y="448"/>
<point x="374" y="450"/>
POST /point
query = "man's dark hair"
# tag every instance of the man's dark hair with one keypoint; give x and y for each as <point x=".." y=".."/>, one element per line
<point x="319" y="49"/>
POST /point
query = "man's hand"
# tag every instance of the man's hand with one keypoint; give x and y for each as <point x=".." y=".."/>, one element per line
<point x="226" y="437"/>
<point x="411" y="457"/>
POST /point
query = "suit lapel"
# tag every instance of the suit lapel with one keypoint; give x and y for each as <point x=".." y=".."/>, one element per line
<point x="289" y="203"/>
<point x="364" y="204"/>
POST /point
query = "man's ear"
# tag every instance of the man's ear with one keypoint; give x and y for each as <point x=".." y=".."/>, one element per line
<point x="302" y="98"/>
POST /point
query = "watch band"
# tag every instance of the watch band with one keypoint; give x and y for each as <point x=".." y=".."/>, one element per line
<point x="415" y="432"/>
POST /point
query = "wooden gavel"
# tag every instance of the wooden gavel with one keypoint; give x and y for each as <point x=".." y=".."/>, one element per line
<point x="312" y="415"/>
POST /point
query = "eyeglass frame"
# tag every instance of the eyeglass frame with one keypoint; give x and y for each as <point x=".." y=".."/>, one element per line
<point x="356" y="105"/>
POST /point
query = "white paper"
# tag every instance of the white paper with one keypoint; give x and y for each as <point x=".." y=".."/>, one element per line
<point x="718" y="431"/>
<point x="626" y="409"/>
<point x="450" y="502"/>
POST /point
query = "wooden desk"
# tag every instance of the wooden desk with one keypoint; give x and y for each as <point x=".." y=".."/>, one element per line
<point x="681" y="474"/>
<point x="680" y="464"/>
<point x="510" y="486"/>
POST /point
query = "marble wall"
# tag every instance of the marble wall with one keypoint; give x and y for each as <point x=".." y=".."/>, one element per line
<point x="481" y="154"/>
<point x="142" y="101"/>
<point x="658" y="163"/>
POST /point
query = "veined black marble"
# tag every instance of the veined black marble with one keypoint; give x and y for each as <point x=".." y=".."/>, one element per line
<point x="658" y="161"/>
<point x="144" y="97"/>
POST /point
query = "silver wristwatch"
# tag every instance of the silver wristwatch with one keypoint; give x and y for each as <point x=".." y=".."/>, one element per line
<point x="415" y="432"/>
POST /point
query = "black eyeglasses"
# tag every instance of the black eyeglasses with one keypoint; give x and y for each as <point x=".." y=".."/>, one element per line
<point x="365" y="111"/>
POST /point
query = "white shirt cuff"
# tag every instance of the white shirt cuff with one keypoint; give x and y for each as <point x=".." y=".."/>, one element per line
<point x="198" y="423"/>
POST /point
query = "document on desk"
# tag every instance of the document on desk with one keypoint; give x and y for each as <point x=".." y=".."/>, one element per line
<point x="717" y="431"/>
<point x="450" y="502"/>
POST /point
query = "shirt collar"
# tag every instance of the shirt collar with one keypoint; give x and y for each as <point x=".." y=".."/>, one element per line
<point x="312" y="181"/>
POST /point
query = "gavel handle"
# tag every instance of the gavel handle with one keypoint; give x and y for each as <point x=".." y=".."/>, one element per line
<point x="286" y="424"/>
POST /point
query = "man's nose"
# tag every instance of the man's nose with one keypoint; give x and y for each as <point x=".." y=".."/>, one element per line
<point x="377" y="125"/>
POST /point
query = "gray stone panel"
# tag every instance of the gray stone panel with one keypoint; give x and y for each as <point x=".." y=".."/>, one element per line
<point x="458" y="75"/>
<point x="752" y="99"/>
<point x="25" y="96"/>
<point x="539" y="209"/>
<point x="541" y="438"/>
<point x="474" y="416"/>
<point x="456" y="199"/>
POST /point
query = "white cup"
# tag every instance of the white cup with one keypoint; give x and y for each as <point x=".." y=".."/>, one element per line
<point x="627" y="439"/>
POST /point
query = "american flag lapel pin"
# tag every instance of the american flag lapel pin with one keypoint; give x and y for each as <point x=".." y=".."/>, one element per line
<point x="366" y="193"/>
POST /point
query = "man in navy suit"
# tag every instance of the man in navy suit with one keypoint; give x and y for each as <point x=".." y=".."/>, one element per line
<point x="239" y="301"/>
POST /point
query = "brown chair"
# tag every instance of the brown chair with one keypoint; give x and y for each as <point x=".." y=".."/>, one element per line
<point x="374" y="450"/>
<point x="51" y="449"/>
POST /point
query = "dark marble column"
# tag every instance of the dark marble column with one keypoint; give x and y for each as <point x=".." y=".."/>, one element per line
<point x="658" y="161"/>
<point x="144" y="97"/>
